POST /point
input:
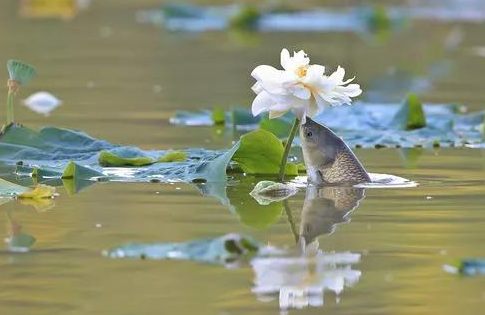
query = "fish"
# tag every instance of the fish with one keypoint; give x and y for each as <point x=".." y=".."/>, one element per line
<point x="328" y="159"/>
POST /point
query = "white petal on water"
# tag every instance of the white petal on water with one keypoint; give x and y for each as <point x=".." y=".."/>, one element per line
<point x="42" y="102"/>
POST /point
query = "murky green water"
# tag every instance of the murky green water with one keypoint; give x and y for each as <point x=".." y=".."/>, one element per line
<point x="121" y="81"/>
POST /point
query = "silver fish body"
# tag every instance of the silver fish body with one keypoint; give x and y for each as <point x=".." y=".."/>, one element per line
<point x="328" y="159"/>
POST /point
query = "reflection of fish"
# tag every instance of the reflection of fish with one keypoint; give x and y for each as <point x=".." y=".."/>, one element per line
<point x="325" y="207"/>
<point x="327" y="157"/>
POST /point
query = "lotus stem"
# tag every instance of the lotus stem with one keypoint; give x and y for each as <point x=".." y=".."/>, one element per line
<point x="10" y="109"/>
<point x="13" y="87"/>
<point x="289" y="141"/>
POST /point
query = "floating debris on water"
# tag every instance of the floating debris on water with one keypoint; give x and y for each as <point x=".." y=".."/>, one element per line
<point x="467" y="267"/>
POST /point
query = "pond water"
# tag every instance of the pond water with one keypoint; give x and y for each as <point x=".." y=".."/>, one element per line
<point x="121" y="81"/>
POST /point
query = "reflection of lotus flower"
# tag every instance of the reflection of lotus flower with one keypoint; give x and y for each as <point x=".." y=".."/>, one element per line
<point x="300" y="87"/>
<point x="301" y="281"/>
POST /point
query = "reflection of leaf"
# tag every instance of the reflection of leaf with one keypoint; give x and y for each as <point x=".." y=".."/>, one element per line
<point x="39" y="192"/>
<point x="411" y="115"/>
<point x="260" y="152"/>
<point x="221" y="250"/>
<point x="266" y="192"/>
<point x="20" y="242"/>
<point x="74" y="186"/>
<point x="250" y="212"/>
<point x="411" y="156"/>
<point x="40" y="205"/>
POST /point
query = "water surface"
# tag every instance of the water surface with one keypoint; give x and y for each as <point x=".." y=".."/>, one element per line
<point x="121" y="81"/>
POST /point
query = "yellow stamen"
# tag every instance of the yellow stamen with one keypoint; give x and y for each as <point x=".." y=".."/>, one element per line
<point x="301" y="71"/>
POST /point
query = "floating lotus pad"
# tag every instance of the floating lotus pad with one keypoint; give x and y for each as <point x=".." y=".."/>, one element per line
<point x="467" y="267"/>
<point x="221" y="250"/>
<point x="55" y="153"/>
<point x="411" y="115"/>
<point x="10" y="190"/>
<point x="269" y="17"/>
<point x="379" y="125"/>
<point x="39" y="192"/>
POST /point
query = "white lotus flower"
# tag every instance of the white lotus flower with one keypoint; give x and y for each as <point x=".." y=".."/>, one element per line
<point x="301" y="87"/>
<point x="42" y="102"/>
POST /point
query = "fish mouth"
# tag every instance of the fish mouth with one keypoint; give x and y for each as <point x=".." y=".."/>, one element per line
<point x="311" y="123"/>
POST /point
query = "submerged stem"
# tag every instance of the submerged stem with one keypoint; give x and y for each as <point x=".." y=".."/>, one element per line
<point x="10" y="109"/>
<point x="291" y="221"/>
<point x="284" y="160"/>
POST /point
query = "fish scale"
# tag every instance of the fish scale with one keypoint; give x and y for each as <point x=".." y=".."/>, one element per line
<point x="346" y="168"/>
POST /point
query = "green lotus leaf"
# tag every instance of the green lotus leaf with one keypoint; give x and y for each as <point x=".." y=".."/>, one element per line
<point x="411" y="114"/>
<point x="108" y="159"/>
<point x="260" y="152"/>
<point x="79" y="172"/>
<point x="173" y="156"/>
<point x="20" y="71"/>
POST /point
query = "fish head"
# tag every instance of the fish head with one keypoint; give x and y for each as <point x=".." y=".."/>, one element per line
<point x="319" y="144"/>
